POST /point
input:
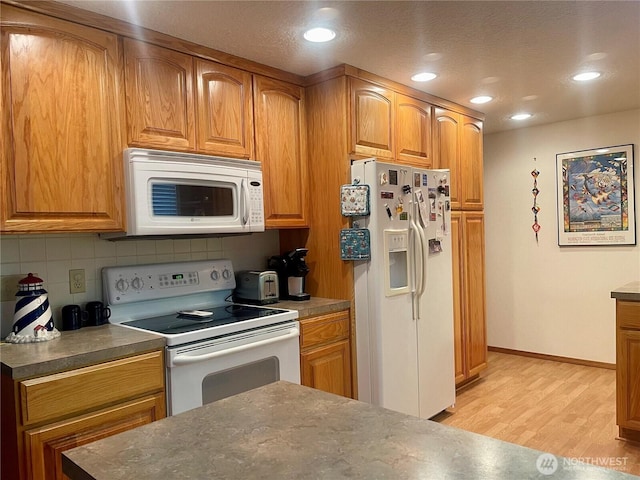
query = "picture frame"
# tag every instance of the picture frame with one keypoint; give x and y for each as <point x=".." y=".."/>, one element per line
<point x="596" y="202"/>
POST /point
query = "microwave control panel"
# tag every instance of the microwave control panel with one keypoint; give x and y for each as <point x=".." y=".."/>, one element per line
<point x="256" y="202"/>
<point x="137" y="283"/>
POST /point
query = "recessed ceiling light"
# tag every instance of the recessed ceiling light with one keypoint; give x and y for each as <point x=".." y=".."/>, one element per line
<point x="319" y="34"/>
<point x="490" y="80"/>
<point x="602" y="150"/>
<point x="432" y="57"/>
<point x="520" y="116"/>
<point x="586" y="76"/>
<point x="481" y="99"/>
<point x="423" y="77"/>
<point x="596" y="56"/>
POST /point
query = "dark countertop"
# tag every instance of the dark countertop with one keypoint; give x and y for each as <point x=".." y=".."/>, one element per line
<point x="288" y="431"/>
<point x="75" y="349"/>
<point x="314" y="306"/>
<point x="91" y="345"/>
<point x="630" y="292"/>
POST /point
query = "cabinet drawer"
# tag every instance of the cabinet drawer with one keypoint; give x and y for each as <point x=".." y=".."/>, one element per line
<point x="324" y="328"/>
<point x="628" y="314"/>
<point x="67" y="393"/>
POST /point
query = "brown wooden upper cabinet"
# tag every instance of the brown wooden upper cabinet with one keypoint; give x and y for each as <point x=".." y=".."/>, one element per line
<point x="281" y="147"/>
<point x="61" y="126"/>
<point x="447" y="149"/>
<point x="458" y="147"/>
<point x="390" y="125"/>
<point x="159" y="95"/>
<point x="413" y="131"/>
<point x="471" y="176"/>
<point x="224" y="110"/>
<point x="179" y="102"/>
<point x="372" y="119"/>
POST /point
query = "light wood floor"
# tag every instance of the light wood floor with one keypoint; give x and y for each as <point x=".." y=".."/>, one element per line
<point x="560" y="408"/>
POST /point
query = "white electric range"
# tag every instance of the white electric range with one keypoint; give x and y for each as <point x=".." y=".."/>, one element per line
<point x="215" y="348"/>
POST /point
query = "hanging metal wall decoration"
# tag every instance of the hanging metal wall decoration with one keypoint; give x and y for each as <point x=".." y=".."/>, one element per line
<point x="535" y="209"/>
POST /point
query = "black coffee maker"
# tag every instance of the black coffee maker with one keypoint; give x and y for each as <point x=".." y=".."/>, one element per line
<point x="291" y="269"/>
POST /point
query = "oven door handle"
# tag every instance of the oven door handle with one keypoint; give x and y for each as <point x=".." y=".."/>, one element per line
<point x="187" y="359"/>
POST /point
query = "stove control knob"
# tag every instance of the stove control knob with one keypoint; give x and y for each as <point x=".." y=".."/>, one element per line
<point x="215" y="275"/>
<point x="137" y="283"/>
<point x="226" y="274"/>
<point x="122" y="285"/>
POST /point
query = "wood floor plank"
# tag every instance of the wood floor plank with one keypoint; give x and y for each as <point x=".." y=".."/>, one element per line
<point x="561" y="408"/>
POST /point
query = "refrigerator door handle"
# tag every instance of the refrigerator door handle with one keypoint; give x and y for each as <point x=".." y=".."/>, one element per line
<point x="418" y="262"/>
<point x="423" y="264"/>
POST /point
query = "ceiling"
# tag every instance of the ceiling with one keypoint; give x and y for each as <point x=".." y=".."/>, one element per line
<point x="522" y="53"/>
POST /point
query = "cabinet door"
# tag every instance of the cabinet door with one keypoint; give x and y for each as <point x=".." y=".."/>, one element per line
<point x="470" y="174"/>
<point x="447" y="149"/>
<point x="413" y="132"/>
<point x="628" y="379"/>
<point x="281" y="147"/>
<point x="224" y="110"/>
<point x="372" y="119"/>
<point x="159" y="93"/>
<point x="474" y="292"/>
<point x="328" y="368"/>
<point x="458" y="331"/>
<point x="44" y="445"/>
<point x="61" y="126"/>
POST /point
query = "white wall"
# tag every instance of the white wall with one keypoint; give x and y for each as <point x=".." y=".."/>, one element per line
<point x="52" y="256"/>
<point x="540" y="297"/>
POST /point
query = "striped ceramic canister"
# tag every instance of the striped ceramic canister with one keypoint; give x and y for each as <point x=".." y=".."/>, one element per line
<point x="32" y="313"/>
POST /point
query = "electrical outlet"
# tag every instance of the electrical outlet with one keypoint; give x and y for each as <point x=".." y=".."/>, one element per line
<point x="76" y="281"/>
<point x="10" y="287"/>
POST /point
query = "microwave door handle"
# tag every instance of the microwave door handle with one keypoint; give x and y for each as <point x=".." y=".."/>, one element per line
<point x="187" y="359"/>
<point x="245" y="202"/>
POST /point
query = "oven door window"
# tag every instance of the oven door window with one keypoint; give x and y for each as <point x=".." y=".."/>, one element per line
<point x="232" y="381"/>
<point x="171" y="199"/>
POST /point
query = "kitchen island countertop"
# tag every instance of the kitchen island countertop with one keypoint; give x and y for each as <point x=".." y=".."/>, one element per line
<point x="630" y="292"/>
<point x="288" y="431"/>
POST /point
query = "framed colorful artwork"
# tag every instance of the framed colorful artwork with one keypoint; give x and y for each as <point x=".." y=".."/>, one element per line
<point x="596" y="197"/>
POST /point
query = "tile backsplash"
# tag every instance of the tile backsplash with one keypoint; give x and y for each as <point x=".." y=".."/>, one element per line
<point x="52" y="256"/>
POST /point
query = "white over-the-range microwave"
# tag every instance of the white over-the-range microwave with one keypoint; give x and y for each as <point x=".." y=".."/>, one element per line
<point x="170" y="193"/>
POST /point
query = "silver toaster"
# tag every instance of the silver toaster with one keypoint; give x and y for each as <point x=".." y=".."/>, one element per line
<point x="256" y="287"/>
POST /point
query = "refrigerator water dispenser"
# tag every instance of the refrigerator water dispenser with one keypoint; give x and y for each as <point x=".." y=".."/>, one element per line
<point x="396" y="262"/>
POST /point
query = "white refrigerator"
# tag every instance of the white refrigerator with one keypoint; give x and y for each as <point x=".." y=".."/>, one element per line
<point x="403" y="293"/>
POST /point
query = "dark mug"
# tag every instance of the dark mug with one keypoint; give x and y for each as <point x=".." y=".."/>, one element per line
<point x="97" y="313"/>
<point x="71" y="317"/>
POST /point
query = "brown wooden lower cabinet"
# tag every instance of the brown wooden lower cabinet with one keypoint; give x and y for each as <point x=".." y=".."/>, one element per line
<point x="57" y="412"/>
<point x="469" y="319"/>
<point x="325" y="358"/>
<point x="44" y="445"/>
<point x="628" y="369"/>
